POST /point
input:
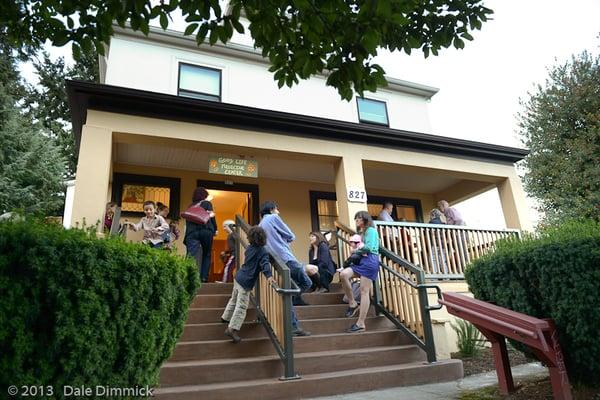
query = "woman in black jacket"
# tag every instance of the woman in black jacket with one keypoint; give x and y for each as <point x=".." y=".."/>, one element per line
<point x="319" y="255"/>
<point x="198" y="238"/>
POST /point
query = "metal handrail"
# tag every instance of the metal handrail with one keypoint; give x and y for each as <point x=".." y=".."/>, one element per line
<point x="284" y="350"/>
<point x="427" y="343"/>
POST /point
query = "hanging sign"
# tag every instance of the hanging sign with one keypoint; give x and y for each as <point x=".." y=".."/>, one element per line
<point x="233" y="166"/>
<point x="355" y="195"/>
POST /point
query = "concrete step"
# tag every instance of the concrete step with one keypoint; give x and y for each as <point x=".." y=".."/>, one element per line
<point x="226" y="288"/>
<point x="220" y="299"/>
<point x="252" y="329"/>
<point x="250" y="368"/>
<point x="255" y="347"/>
<point x="213" y="314"/>
<point x="320" y="384"/>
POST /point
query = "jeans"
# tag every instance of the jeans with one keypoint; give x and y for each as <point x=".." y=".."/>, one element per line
<point x="199" y="246"/>
<point x="298" y="274"/>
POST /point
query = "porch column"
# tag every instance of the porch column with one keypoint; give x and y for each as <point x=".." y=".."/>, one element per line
<point x="514" y="206"/>
<point x="348" y="174"/>
<point x="93" y="176"/>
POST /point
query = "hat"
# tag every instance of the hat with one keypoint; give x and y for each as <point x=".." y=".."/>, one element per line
<point x="355" y="239"/>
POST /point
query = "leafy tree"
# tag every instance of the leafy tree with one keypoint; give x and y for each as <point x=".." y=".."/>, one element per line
<point x="301" y="38"/>
<point x="561" y="126"/>
<point x="48" y="99"/>
<point x="31" y="166"/>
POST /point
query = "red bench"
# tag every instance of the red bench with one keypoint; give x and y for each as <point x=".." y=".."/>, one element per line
<point x="497" y="323"/>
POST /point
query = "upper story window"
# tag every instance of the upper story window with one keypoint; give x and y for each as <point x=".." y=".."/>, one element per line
<point x="372" y="111"/>
<point x="199" y="82"/>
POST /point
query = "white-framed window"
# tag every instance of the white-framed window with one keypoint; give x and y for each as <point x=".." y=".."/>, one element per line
<point x="199" y="82"/>
<point x="372" y="111"/>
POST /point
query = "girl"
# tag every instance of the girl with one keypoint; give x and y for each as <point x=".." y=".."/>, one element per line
<point x="319" y="255"/>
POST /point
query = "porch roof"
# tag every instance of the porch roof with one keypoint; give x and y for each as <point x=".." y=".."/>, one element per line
<point x="87" y="95"/>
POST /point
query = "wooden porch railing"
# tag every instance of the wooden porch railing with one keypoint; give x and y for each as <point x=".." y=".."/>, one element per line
<point x="442" y="251"/>
<point x="273" y="301"/>
<point x="400" y="293"/>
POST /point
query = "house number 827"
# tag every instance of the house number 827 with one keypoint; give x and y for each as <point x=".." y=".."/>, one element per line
<point x="357" y="195"/>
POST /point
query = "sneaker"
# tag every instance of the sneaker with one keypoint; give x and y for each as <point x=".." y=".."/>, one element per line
<point x="300" y="332"/>
<point x="232" y="333"/>
<point x="351" y="311"/>
<point x="224" y="321"/>
<point x="323" y="290"/>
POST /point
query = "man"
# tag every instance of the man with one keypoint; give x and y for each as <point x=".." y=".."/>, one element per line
<point x="279" y="237"/>
<point x="386" y="212"/>
<point x="453" y="217"/>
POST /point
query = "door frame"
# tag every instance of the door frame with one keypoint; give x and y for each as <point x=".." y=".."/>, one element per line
<point x="237" y="187"/>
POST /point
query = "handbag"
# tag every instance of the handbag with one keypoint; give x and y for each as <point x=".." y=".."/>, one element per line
<point x="196" y="214"/>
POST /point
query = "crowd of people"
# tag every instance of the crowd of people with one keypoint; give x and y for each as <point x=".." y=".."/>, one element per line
<point x="273" y="235"/>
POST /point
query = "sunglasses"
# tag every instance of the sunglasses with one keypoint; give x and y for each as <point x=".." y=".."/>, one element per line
<point x="354" y="242"/>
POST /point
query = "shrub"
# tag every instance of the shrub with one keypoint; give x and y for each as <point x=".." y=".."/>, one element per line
<point x="469" y="340"/>
<point x="77" y="310"/>
<point x="555" y="275"/>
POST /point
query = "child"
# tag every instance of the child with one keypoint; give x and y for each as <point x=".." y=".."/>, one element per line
<point x="256" y="261"/>
<point x="228" y="256"/>
<point x="356" y="243"/>
<point x="169" y="235"/>
<point x="154" y="226"/>
<point x="109" y="215"/>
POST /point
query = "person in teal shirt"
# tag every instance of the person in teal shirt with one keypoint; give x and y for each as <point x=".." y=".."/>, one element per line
<point x="367" y="269"/>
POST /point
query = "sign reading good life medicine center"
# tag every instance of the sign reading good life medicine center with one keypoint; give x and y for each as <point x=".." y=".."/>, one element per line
<point x="233" y="166"/>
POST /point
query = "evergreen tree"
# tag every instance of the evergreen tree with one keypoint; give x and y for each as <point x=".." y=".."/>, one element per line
<point x="561" y="127"/>
<point x="31" y="166"/>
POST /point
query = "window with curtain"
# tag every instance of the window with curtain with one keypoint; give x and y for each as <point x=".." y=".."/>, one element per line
<point x="199" y="82"/>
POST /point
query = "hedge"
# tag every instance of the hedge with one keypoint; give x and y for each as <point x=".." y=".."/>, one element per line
<point x="554" y="275"/>
<point x="77" y="310"/>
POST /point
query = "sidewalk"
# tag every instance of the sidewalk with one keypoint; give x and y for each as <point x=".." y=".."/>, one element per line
<point x="445" y="390"/>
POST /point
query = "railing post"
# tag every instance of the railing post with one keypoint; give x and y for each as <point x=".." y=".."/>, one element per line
<point x="426" y="318"/>
<point x="288" y="330"/>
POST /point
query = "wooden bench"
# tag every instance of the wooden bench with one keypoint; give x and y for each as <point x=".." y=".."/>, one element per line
<point x="497" y="323"/>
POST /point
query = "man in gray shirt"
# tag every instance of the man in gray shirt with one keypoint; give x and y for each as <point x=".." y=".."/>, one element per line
<point x="386" y="212"/>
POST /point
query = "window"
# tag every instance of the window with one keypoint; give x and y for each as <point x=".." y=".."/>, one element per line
<point x="130" y="192"/>
<point x="199" y="82"/>
<point x="327" y="214"/>
<point x="372" y="111"/>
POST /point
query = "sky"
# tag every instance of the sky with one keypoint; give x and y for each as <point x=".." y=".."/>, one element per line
<point x="480" y="86"/>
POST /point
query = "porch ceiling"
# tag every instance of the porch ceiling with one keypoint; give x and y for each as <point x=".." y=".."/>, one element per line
<point x="277" y="167"/>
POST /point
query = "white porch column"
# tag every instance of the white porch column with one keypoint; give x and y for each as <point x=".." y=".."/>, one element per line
<point x="514" y="206"/>
<point x="93" y="176"/>
<point x="348" y="174"/>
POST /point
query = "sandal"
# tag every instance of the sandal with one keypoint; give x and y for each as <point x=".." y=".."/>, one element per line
<point x="355" y="328"/>
<point x="351" y="311"/>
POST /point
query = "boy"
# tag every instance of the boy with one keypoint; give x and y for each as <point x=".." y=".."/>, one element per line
<point x="256" y="261"/>
<point x="154" y="226"/>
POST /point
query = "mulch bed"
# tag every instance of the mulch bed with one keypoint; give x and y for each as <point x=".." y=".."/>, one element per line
<point x="529" y="389"/>
<point x="484" y="361"/>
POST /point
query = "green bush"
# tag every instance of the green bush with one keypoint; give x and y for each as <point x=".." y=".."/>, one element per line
<point x="77" y="310"/>
<point x="554" y="275"/>
<point x="468" y="339"/>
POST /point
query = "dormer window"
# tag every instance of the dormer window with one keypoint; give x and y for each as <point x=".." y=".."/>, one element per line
<point x="199" y="82"/>
<point x="372" y="111"/>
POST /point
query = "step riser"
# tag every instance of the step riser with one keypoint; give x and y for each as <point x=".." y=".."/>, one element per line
<point x="212" y="315"/>
<point x="262" y="347"/>
<point x="255" y="330"/>
<point x="235" y="371"/>
<point x="220" y="288"/>
<point x="297" y="389"/>
<point x="220" y="300"/>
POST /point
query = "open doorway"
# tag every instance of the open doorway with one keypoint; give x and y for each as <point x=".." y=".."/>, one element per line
<point x="229" y="199"/>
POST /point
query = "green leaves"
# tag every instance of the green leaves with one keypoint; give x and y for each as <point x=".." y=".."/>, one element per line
<point x="304" y="36"/>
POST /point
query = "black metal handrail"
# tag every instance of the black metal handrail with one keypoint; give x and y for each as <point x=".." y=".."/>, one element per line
<point x="283" y="346"/>
<point x="427" y="343"/>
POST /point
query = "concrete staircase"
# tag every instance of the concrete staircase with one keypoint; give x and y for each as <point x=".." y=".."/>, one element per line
<point x="206" y="365"/>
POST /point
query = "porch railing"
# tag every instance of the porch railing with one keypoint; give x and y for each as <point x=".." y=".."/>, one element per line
<point x="273" y="302"/>
<point x="442" y="251"/>
<point x="400" y="293"/>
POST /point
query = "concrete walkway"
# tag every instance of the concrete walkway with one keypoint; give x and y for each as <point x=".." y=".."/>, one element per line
<point x="445" y="390"/>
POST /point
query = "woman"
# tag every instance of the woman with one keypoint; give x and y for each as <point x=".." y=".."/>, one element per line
<point x="319" y="255"/>
<point x="437" y="257"/>
<point x="367" y="269"/>
<point x="198" y="238"/>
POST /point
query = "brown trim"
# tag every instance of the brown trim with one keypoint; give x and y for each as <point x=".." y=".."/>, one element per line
<point x="87" y="95"/>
